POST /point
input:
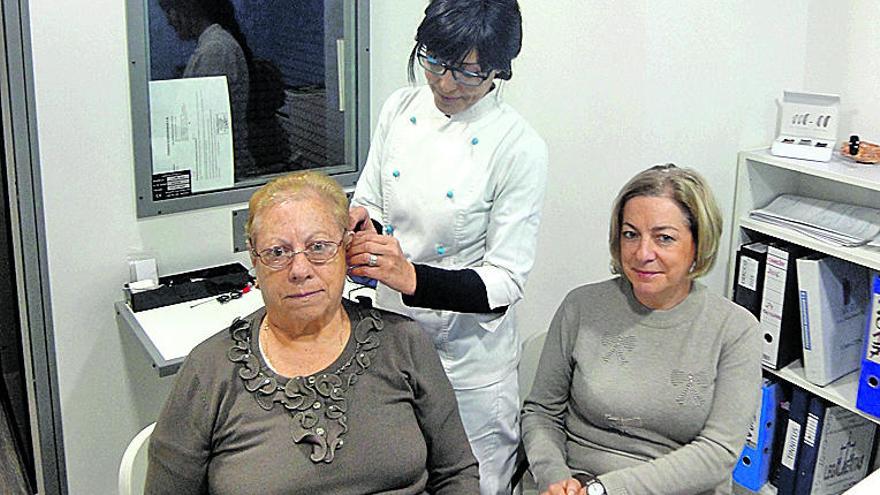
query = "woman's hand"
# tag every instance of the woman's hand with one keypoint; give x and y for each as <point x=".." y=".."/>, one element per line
<point x="359" y="220"/>
<point x="565" y="487"/>
<point x="380" y="257"/>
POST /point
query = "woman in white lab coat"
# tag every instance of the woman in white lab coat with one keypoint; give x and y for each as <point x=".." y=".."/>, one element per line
<point x="447" y="212"/>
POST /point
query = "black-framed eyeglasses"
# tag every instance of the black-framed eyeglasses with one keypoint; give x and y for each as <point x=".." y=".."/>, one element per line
<point x="223" y="298"/>
<point x="461" y="76"/>
<point x="229" y="296"/>
<point x="317" y="252"/>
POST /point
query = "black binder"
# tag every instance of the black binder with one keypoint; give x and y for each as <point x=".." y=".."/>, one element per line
<point x="751" y="260"/>
<point x="794" y="434"/>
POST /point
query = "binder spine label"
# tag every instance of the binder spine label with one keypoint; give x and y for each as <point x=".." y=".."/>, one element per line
<point x="748" y="273"/>
<point x="805" y="320"/>
<point x="810" y="430"/>
<point x="872" y="350"/>
<point x="789" y="452"/>
<point x="772" y="303"/>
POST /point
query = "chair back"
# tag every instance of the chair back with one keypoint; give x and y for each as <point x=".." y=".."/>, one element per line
<point x="528" y="367"/>
<point x="528" y="362"/>
<point x="133" y="468"/>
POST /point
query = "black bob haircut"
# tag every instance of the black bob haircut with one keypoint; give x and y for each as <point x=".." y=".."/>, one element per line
<point x="452" y="28"/>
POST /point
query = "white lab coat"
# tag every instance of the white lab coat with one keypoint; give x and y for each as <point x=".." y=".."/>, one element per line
<point x="459" y="192"/>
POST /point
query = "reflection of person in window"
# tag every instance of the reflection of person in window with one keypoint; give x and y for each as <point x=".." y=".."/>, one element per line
<point x="268" y="142"/>
<point x="221" y="50"/>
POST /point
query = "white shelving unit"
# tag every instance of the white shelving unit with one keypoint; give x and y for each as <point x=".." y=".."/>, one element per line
<point x="760" y="178"/>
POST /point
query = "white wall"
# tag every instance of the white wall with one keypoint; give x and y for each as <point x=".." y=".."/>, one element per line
<point x="392" y="33"/>
<point x="617" y="86"/>
<point x="613" y="86"/>
<point x="108" y="390"/>
<point x="846" y="62"/>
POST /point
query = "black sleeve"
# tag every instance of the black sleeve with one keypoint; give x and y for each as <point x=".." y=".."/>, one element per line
<point x="451" y="290"/>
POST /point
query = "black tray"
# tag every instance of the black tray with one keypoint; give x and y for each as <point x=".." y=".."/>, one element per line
<point x="183" y="287"/>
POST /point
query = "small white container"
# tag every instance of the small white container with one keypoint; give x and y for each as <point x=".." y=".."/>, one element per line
<point x="808" y="126"/>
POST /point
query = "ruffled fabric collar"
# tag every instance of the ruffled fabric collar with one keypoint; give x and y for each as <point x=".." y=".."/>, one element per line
<point x="318" y="403"/>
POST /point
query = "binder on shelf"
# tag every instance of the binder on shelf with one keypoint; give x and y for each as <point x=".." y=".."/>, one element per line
<point x="794" y="433"/>
<point x="780" y="311"/>
<point x="751" y="261"/>
<point x="835" y="451"/>
<point x="753" y="468"/>
<point x="868" y="397"/>
<point x="833" y="296"/>
<point x="779" y="436"/>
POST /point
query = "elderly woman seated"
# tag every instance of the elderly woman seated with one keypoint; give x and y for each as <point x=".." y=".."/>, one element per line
<point x="313" y="394"/>
<point x="647" y="381"/>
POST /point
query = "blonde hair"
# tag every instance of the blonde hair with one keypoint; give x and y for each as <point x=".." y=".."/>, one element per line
<point x="689" y="190"/>
<point x="296" y="186"/>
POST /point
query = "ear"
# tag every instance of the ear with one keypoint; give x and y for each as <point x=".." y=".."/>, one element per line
<point x="250" y="249"/>
<point x="347" y="239"/>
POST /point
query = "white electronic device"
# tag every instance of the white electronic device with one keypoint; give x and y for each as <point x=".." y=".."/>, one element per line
<point x="808" y="126"/>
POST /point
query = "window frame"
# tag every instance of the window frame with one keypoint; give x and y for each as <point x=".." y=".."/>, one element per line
<point x="356" y="95"/>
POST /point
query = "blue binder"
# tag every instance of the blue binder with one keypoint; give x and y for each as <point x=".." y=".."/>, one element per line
<point x="809" y="447"/>
<point x="753" y="467"/>
<point x="794" y="433"/>
<point x="835" y="451"/>
<point x="868" y="398"/>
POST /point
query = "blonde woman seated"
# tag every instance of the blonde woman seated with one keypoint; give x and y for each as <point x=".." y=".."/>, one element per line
<point x="647" y="382"/>
<point x="313" y="395"/>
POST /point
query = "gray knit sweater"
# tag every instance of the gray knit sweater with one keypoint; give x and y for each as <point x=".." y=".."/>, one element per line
<point x="653" y="402"/>
<point x="381" y="419"/>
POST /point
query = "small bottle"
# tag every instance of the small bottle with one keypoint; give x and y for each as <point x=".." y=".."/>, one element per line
<point x="854" y="145"/>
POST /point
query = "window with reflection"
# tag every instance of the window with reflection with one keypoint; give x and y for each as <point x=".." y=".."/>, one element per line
<point x="234" y="92"/>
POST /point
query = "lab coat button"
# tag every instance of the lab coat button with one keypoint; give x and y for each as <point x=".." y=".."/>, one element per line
<point x="450" y="194"/>
<point x="396" y="173"/>
<point x="441" y="250"/>
<point x="475" y="141"/>
<point x="389" y="229"/>
<point x="413" y="119"/>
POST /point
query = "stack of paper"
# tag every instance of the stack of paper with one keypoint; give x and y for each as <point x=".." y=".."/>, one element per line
<point x="839" y="224"/>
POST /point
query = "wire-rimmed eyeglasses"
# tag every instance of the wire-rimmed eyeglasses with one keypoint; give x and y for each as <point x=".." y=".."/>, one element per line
<point x="317" y="252"/>
<point x="461" y="76"/>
